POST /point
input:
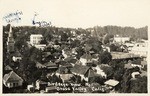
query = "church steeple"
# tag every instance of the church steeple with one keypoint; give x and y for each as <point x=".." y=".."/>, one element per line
<point x="10" y="32"/>
<point x="10" y="41"/>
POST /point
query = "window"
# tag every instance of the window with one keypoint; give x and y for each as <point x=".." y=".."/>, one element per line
<point x="14" y="84"/>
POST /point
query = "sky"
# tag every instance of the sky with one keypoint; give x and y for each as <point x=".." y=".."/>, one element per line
<point x="80" y="13"/>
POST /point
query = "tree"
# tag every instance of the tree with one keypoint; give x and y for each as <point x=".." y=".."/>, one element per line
<point x="125" y="83"/>
<point x="75" y="43"/>
<point x="108" y="71"/>
<point x="113" y="47"/>
<point x="80" y="51"/>
<point x="118" y="74"/>
<point x="64" y="36"/>
<point x="105" y="57"/>
<point x="43" y="41"/>
<point x="139" y="85"/>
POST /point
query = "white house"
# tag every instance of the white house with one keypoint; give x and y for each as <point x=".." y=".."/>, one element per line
<point x="111" y="82"/>
<point x="40" y="46"/>
<point x="11" y="80"/>
<point x="85" y="58"/>
<point x="100" y="71"/>
<point x="119" y="39"/>
<point x="35" y="39"/>
<point x="135" y="74"/>
<point x="140" y="49"/>
<point x="17" y="56"/>
<point x="31" y="88"/>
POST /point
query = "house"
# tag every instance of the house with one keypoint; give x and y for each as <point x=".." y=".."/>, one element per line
<point x="66" y="52"/>
<point x="120" y="39"/>
<point x="40" y="46"/>
<point x="131" y="65"/>
<point x="62" y="70"/>
<point x="111" y="82"/>
<point x="74" y="52"/>
<point x="100" y="71"/>
<point x="95" y="57"/>
<point x="140" y="49"/>
<point x="40" y="66"/>
<point x="17" y="56"/>
<point x="86" y="73"/>
<point x="122" y="55"/>
<point x="85" y="58"/>
<point x="71" y="60"/>
<point x="54" y="78"/>
<point x="12" y="80"/>
<point x="8" y="68"/>
<point x="105" y="48"/>
<point x="64" y="73"/>
<point x="64" y="63"/>
<point x="124" y="48"/>
<point x="35" y="39"/>
<point x="50" y="89"/>
<point x="90" y="75"/>
<point x="66" y="77"/>
<point x="80" y="70"/>
<point x="31" y="88"/>
<point x="137" y="65"/>
<point x="128" y="66"/>
<point x="50" y="65"/>
<point x="41" y="85"/>
<point x="92" y="63"/>
<point x="135" y="74"/>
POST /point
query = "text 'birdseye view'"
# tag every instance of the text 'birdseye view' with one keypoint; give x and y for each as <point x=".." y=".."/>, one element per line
<point x="45" y="58"/>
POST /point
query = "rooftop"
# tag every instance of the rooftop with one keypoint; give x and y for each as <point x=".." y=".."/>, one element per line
<point x="11" y="77"/>
<point x="122" y="55"/>
<point x="111" y="82"/>
<point x="79" y="69"/>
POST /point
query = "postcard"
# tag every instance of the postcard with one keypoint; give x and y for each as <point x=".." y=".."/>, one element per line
<point x="74" y="47"/>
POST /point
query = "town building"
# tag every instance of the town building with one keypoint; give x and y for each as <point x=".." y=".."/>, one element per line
<point x="12" y="80"/>
<point x="17" y="56"/>
<point x="140" y="49"/>
<point x="111" y="82"/>
<point x="120" y="39"/>
<point x="35" y="39"/>
<point x="122" y="55"/>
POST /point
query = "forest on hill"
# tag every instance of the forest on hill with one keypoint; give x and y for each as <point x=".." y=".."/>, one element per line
<point x="141" y="33"/>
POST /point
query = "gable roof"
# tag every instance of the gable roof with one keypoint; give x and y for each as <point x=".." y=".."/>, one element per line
<point x="111" y="82"/>
<point x="17" y="54"/>
<point x="70" y="60"/>
<point x="66" y="77"/>
<point x="8" y="67"/>
<point x="86" y="56"/>
<point x="90" y="73"/>
<point x="50" y="64"/>
<point x="11" y="77"/>
<point x="61" y="70"/>
<point x="80" y="69"/>
<point x="39" y="65"/>
<point x="122" y="55"/>
<point x="64" y="63"/>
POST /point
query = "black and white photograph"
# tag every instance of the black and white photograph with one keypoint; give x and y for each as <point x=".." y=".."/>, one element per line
<point x="74" y="46"/>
